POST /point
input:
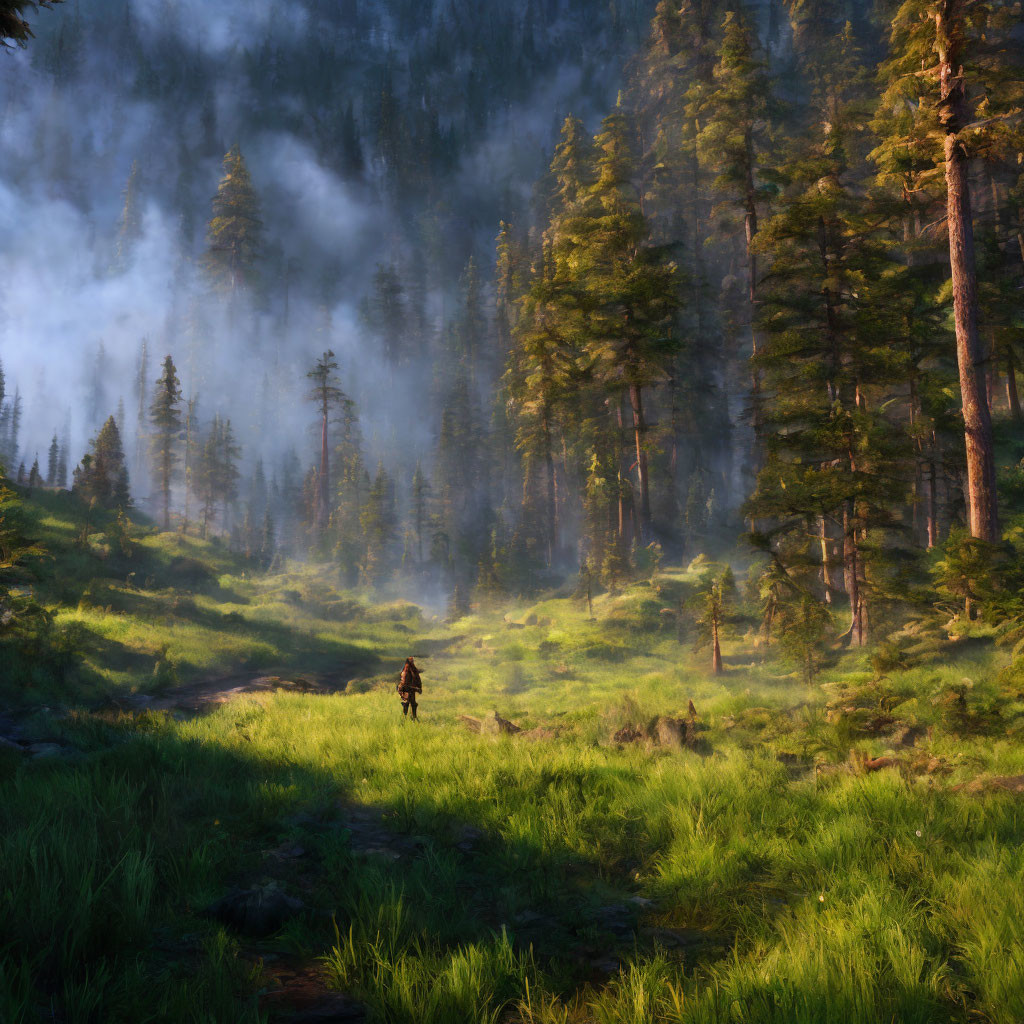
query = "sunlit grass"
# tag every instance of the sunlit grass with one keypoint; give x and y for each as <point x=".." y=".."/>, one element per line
<point x="808" y="892"/>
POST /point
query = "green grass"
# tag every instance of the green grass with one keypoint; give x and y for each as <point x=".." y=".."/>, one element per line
<point x="764" y="879"/>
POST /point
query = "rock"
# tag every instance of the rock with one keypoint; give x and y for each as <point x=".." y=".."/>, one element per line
<point x="286" y="851"/>
<point x="258" y="911"/>
<point x="669" y="732"/>
<point x="679" y="938"/>
<point x="497" y="725"/>
<point x="542" y="732"/>
<point x="992" y="784"/>
<point x="468" y="838"/>
<point x="531" y="620"/>
<point x="528" y="917"/>
<point x="45" y="750"/>
<point x="514" y="625"/>
<point x="473" y="724"/>
<point x="6" y="744"/>
<point x="616" y="918"/>
<point x="907" y="736"/>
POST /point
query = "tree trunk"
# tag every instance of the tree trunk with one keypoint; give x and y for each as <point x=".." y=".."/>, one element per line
<point x="750" y="231"/>
<point x="981" y="475"/>
<point x="826" y="575"/>
<point x="1012" y="398"/>
<point x="639" y="429"/>
<point x="933" y="525"/>
<point x="552" y="494"/>
<point x="325" y="474"/>
<point x="851" y="577"/>
<point x="716" y="653"/>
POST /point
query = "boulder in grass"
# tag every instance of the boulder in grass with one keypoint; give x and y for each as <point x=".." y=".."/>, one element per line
<point x="259" y="911"/>
<point x="992" y="784"/>
<point x="498" y="726"/>
<point x="669" y="732"/>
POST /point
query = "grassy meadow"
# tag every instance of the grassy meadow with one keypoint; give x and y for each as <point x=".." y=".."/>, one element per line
<point x="776" y="870"/>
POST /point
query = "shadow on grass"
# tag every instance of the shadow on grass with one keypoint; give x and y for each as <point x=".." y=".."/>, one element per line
<point x="152" y="828"/>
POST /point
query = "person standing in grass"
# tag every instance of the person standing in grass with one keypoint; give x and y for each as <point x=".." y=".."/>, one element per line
<point x="408" y="686"/>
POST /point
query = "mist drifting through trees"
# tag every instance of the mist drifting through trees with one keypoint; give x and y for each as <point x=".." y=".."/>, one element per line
<point x="491" y="298"/>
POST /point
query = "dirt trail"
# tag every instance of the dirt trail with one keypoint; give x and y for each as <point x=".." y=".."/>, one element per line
<point x="189" y="700"/>
<point x="204" y="695"/>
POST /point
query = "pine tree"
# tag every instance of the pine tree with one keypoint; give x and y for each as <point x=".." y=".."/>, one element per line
<point x="385" y="314"/>
<point x="191" y="454"/>
<point x="102" y="476"/>
<point x="632" y="291"/>
<point x="327" y="396"/>
<point x="98" y="385"/>
<point x="379" y="521"/>
<point x="267" y="547"/>
<point x="931" y="43"/>
<point x="141" y="403"/>
<point x="712" y="615"/>
<point x="419" y="509"/>
<point x="62" y="465"/>
<point x="52" y="459"/>
<point x="165" y="438"/>
<point x="234" y="235"/>
<point x="835" y="460"/>
<point x="130" y="226"/>
<point x="471" y="326"/>
<point x="735" y="113"/>
<point x="14" y="28"/>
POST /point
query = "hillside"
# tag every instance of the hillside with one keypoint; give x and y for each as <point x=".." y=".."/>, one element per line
<point x="841" y="851"/>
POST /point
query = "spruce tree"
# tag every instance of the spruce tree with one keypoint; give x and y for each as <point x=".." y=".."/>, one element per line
<point x="379" y="521"/>
<point x="234" y="236"/>
<point x="102" y="476"/>
<point x="141" y="403"/>
<point x="385" y="314"/>
<point x="52" y="458"/>
<point x="735" y="115"/>
<point x="62" y="465"/>
<point x="419" y="509"/>
<point x="326" y="394"/>
<point x="130" y="227"/>
<point x="931" y="44"/>
<point x="14" y="27"/>
<point x="165" y="436"/>
<point x="632" y="293"/>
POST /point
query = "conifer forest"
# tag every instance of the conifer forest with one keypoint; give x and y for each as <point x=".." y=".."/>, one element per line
<point x="646" y="370"/>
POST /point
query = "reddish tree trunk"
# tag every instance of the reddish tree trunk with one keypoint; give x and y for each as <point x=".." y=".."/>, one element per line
<point x="981" y="475"/>
<point x="826" y="574"/>
<point x="716" y="653"/>
<point x="639" y="429"/>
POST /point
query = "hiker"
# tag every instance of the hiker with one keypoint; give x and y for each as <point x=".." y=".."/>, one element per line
<point x="408" y="686"/>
